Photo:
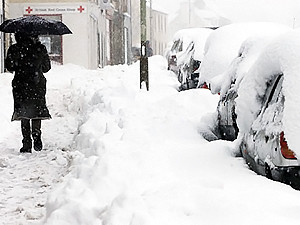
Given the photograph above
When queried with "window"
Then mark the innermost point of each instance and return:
(53, 43)
(272, 91)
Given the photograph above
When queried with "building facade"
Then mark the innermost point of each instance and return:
(88, 46)
(158, 31)
(104, 31)
(121, 32)
(195, 14)
(156, 28)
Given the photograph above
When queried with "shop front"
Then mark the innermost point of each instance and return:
(85, 19)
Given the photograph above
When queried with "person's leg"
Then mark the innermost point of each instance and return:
(27, 143)
(36, 135)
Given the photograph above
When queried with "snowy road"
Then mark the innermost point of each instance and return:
(115, 155)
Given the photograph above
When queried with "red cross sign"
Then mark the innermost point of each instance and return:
(80, 9)
(29, 10)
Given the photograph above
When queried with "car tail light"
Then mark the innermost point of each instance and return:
(285, 151)
(204, 86)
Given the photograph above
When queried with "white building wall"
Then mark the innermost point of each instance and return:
(135, 23)
(159, 32)
(81, 47)
(103, 25)
(76, 45)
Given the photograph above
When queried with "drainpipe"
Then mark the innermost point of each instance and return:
(151, 18)
(3, 44)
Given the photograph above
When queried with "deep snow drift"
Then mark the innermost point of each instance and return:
(118, 155)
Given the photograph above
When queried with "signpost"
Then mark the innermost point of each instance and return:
(50, 10)
(144, 57)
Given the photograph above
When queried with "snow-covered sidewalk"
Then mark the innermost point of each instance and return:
(26, 179)
(118, 155)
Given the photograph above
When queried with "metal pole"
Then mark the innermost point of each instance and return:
(144, 57)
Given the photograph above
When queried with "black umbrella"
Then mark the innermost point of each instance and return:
(34, 25)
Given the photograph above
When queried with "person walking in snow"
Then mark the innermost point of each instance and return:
(29, 59)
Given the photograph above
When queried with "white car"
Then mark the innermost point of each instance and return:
(267, 109)
(229, 80)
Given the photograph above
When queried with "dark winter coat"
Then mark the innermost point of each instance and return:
(29, 60)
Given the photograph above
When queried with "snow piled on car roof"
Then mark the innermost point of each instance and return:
(281, 56)
(196, 35)
(223, 46)
(248, 54)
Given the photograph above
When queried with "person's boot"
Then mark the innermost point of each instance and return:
(27, 145)
(37, 143)
(27, 142)
(36, 135)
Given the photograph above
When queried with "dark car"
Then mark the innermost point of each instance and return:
(185, 55)
(226, 124)
(172, 56)
(188, 74)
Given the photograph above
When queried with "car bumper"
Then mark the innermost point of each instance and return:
(288, 175)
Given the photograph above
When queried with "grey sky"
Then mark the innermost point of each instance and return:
(283, 11)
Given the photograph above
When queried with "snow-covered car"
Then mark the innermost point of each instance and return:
(223, 46)
(268, 108)
(186, 55)
(229, 81)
